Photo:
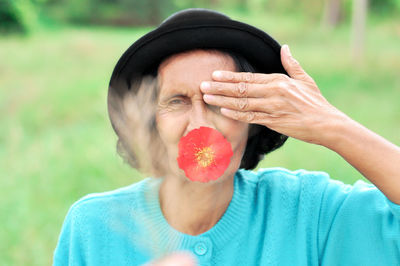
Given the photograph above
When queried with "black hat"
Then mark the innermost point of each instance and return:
(197, 28)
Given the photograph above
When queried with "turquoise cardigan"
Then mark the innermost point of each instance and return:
(275, 217)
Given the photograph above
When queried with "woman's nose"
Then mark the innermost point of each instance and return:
(199, 116)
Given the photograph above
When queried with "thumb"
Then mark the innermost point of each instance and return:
(292, 66)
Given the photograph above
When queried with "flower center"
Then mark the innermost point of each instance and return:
(205, 156)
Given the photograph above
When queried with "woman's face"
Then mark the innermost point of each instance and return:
(181, 107)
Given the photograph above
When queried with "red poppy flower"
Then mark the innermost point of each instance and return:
(204, 154)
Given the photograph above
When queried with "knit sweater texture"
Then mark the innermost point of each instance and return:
(275, 217)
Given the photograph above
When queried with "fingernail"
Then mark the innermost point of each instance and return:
(205, 85)
(217, 74)
(287, 50)
(208, 97)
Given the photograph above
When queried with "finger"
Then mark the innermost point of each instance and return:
(240, 89)
(229, 76)
(292, 66)
(248, 117)
(241, 104)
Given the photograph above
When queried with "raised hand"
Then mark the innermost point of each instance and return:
(292, 105)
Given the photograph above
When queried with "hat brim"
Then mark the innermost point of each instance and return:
(260, 49)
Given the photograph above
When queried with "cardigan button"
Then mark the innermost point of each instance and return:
(200, 248)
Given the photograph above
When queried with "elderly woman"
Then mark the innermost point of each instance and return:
(203, 98)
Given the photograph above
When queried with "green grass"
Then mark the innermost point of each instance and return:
(56, 142)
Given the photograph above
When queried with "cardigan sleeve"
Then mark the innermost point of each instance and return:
(69, 247)
(358, 225)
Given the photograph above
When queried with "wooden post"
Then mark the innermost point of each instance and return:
(358, 29)
(332, 13)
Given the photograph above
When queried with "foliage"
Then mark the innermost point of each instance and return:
(23, 15)
(384, 7)
(17, 15)
(118, 12)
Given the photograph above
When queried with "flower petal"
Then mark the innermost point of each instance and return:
(204, 154)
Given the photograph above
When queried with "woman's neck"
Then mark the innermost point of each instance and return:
(192, 207)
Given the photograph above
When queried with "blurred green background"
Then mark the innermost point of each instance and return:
(56, 58)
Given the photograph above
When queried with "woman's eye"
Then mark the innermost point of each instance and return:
(176, 101)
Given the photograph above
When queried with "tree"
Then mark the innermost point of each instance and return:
(332, 13)
(358, 28)
(17, 16)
